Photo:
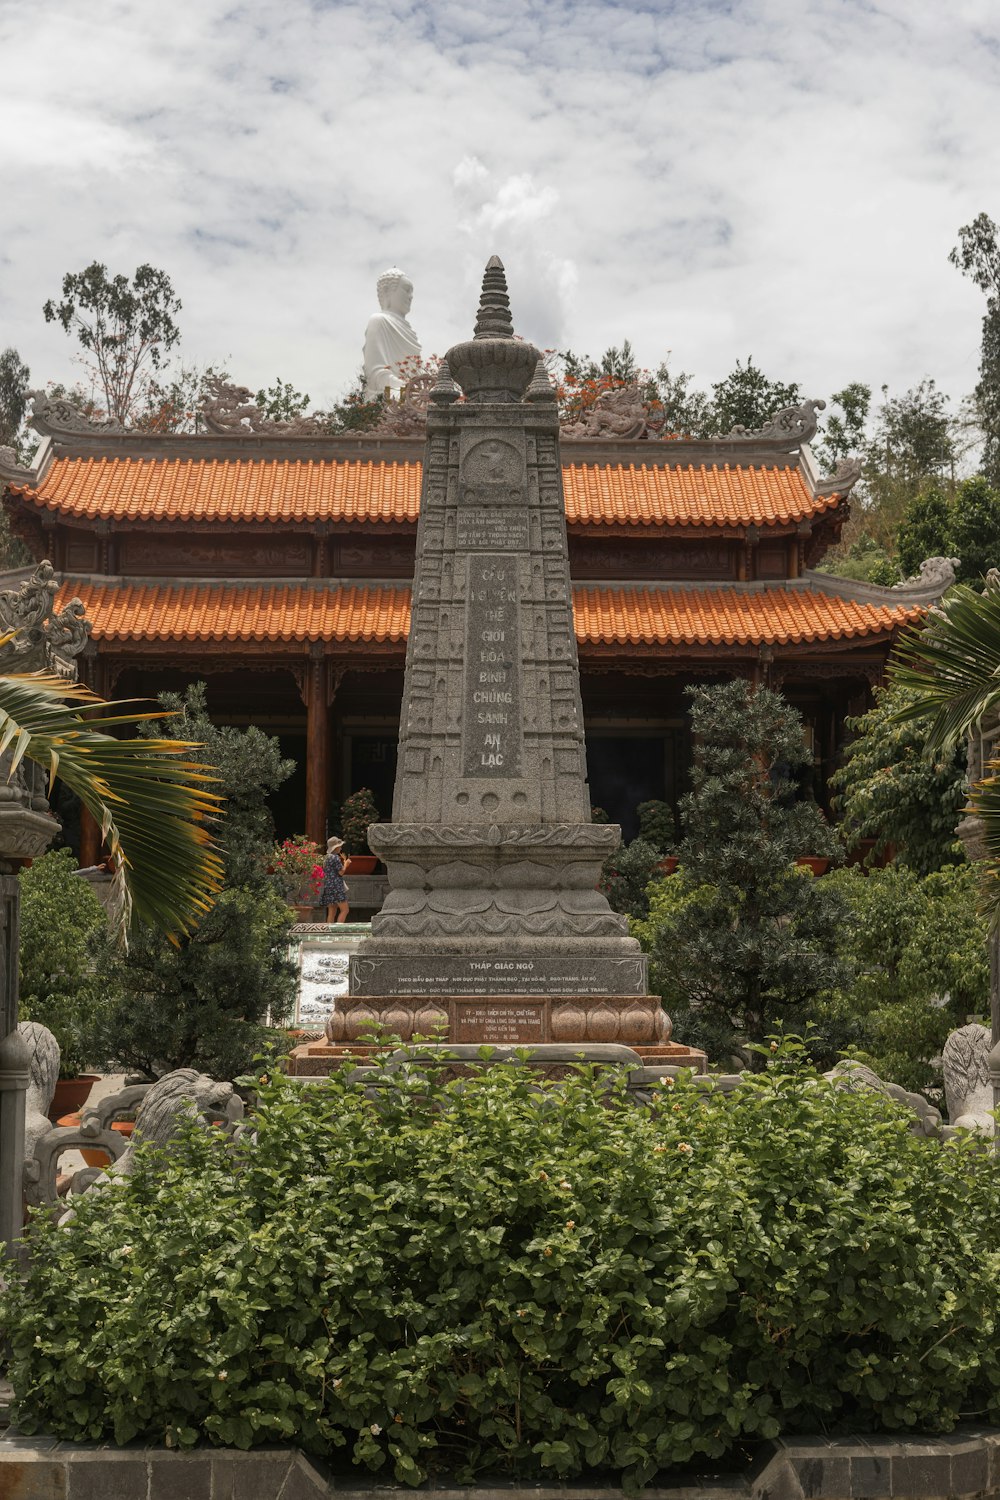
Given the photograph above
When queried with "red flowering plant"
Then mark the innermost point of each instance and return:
(294, 864)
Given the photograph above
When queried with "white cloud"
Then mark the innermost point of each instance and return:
(781, 178)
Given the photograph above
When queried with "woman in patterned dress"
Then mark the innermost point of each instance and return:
(333, 892)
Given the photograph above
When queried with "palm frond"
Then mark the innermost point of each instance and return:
(952, 665)
(152, 799)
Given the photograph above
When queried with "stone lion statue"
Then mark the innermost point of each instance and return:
(43, 1071)
(857, 1078)
(967, 1086)
(173, 1099)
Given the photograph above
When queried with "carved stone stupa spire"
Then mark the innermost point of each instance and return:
(493, 320)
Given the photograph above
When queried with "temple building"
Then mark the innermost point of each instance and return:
(276, 566)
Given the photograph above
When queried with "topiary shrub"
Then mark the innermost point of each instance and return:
(536, 1278)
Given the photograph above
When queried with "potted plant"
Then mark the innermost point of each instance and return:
(294, 864)
(357, 814)
(59, 914)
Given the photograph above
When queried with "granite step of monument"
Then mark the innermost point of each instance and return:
(319, 1059)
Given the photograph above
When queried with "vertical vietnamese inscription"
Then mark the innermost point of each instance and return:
(491, 721)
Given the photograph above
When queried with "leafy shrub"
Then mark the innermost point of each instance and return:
(918, 955)
(204, 1002)
(59, 916)
(502, 1274)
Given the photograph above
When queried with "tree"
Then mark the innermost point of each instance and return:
(977, 255)
(844, 432)
(281, 402)
(952, 668)
(750, 939)
(203, 1002)
(14, 379)
(686, 412)
(125, 328)
(925, 530)
(173, 404)
(748, 399)
(890, 790)
(976, 528)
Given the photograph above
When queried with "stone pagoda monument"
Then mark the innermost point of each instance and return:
(493, 927)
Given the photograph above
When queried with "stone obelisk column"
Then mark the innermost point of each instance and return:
(492, 858)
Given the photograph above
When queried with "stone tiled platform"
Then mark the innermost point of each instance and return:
(963, 1464)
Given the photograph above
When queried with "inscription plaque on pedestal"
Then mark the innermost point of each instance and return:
(499, 1022)
(443, 974)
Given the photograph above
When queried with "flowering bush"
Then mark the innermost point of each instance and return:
(294, 863)
(538, 1278)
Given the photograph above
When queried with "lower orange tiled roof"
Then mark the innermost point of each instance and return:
(604, 616)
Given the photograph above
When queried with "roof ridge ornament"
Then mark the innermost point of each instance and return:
(53, 416)
(843, 479)
(791, 427)
(41, 640)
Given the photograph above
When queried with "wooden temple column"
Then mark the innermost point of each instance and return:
(319, 689)
(95, 674)
(317, 745)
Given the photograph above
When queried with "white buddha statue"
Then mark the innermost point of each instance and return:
(389, 339)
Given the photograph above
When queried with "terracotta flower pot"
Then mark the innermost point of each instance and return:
(71, 1094)
(94, 1156)
(361, 864)
(814, 862)
(668, 865)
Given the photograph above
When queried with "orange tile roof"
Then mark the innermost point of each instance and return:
(621, 616)
(140, 489)
(304, 490)
(692, 495)
(242, 612)
(727, 616)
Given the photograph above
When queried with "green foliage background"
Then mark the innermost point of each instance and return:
(60, 918)
(888, 789)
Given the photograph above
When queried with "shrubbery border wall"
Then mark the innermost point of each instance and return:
(962, 1463)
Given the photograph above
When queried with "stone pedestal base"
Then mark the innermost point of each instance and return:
(496, 1019)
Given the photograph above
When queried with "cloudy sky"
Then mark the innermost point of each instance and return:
(711, 178)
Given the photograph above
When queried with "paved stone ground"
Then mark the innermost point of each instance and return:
(963, 1464)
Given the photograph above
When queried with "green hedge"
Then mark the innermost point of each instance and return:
(497, 1276)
